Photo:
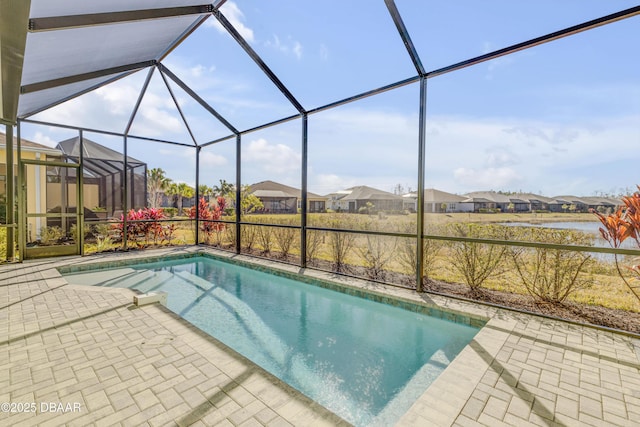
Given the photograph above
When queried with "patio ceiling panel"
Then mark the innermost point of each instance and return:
(58, 54)
(35, 102)
(73, 47)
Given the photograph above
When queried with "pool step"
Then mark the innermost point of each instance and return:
(142, 280)
(192, 279)
(100, 277)
(149, 280)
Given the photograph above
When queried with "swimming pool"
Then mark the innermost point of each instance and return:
(364, 360)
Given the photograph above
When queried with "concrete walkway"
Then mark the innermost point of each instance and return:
(80, 355)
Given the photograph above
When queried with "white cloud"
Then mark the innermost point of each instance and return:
(106, 108)
(500, 157)
(234, 15)
(154, 122)
(211, 159)
(467, 154)
(324, 52)
(328, 183)
(206, 158)
(494, 64)
(288, 47)
(43, 139)
(297, 50)
(488, 178)
(272, 158)
(533, 134)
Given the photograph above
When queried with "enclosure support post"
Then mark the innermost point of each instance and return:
(197, 195)
(303, 210)
(10, 195)
(22, 221)
(422, 131)
(125, 205)
(238, 192)
(80, 196)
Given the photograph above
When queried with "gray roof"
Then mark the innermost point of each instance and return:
(569, 199)
(433, 195)
(364, 192)
(530, 197)
(487, 197)
(273, 194)
(494, 197)
(94, 151)
(27, 145)
(601, 201)
(588, 200)
(275, 189)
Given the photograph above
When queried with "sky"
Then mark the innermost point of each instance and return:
(560, 118)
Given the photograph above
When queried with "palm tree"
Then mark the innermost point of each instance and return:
(205, 191)
(180, 190)
(224, 189)
(249, 202)
(157, 183)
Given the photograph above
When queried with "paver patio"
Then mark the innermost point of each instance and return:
(127, 365)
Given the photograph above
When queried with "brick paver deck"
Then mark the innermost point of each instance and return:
(109, 362)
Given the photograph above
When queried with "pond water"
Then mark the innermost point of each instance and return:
(586, 227)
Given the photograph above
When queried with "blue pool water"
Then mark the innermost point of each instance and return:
(365, 361)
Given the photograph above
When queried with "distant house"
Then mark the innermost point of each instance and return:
(436, 201)
(490, 200)
(335, 201)
(535, 202)
(598, 203)
(441, 201)
(515, 202)
(583, 204)
(410, 202)
(280, 198)
(529, 202)
(354, 198)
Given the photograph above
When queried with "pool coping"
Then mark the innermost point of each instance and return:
(490, 381)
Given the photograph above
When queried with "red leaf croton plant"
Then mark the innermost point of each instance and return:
(207, 213)
(619, 226)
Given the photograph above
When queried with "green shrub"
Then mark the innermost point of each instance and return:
(340, 244)
(314, 240)
(102, 230)
(376, 254)
(248, 234)
(265, 238)
(407, 254)
(50, 235)
(285, 238)
(103, 243)
(551, 275)
(230, 235)
(3, 243)
(170, 212)
(476, 261)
